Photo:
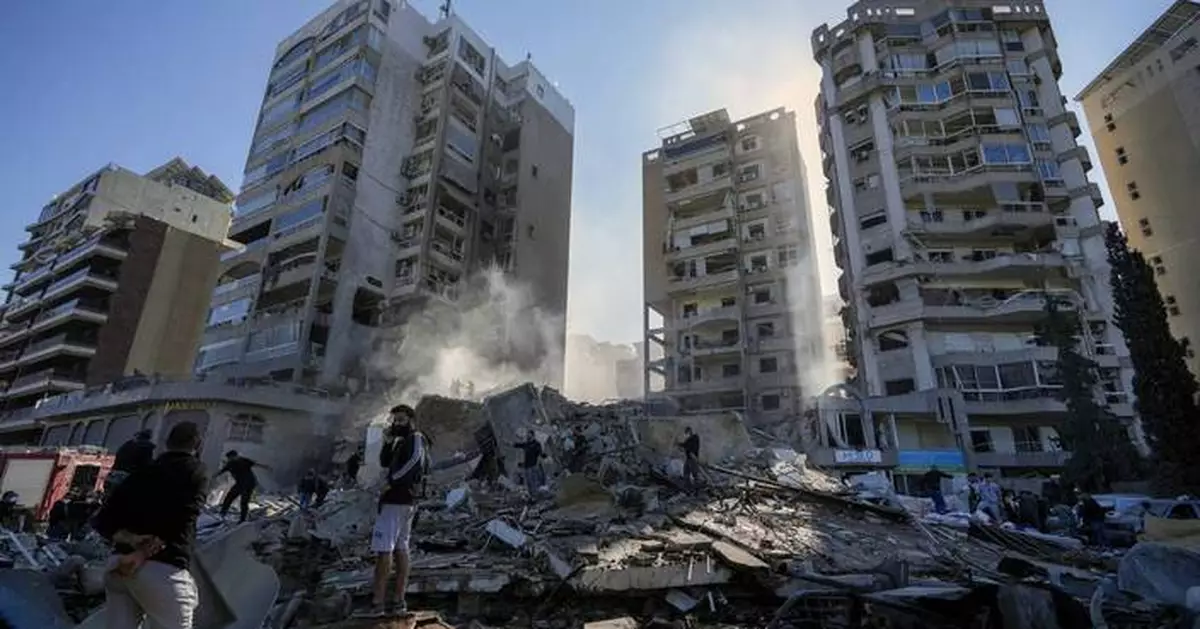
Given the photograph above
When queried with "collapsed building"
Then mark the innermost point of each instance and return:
(767, 542)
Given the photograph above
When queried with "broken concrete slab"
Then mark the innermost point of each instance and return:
(507, 533)
(737, 558)
(616, 623)
(681, 601)
(661, 577)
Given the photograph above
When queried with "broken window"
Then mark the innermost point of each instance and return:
(689, 310)
(765, 330)
(769, 364)
(879, 257)
(769, 402)
(762, 296)
(893, 339)
(246, 428)
(731, 370)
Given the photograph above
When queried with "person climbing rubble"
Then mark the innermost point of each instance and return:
(405, 457)
(578, 451)
(151, 520)
(244, 483)
(307, 487)
(691, 457)
(931, 484)
(989, 498)
(531, 465)
(353, 464)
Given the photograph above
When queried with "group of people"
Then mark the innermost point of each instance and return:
(1025, 507)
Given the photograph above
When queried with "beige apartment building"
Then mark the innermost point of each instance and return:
(394, 159)
(113, 281)
(730, 267)
(959, 197)
(1144, 113)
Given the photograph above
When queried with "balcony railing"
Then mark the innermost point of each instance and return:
(257, 244)
(45, 375)
(229, 287)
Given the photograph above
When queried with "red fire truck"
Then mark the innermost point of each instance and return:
(41, 477)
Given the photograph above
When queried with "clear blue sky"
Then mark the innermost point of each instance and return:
(136, 82)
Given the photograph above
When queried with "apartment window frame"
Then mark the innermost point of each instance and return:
(768, 361)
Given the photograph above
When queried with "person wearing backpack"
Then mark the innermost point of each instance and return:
(405, 457)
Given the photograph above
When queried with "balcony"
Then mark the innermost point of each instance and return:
(289, 272)
(29, 280)
(691, 283)
(1026, 455)
(1003, 222)
(453, 221)
(270, 353)
(712, 244)
(257, 245)
(244, 284)
(62, 343)
(715, 347)
(1023, 308)
(1035, 400)
(47, 378)
(446, 254)
(700, 189)
(96, 245)
(1030, 266)
(299, 229)
(106, 280)
(914, 184)
(74, 309)
(707, 385)
(709, 315)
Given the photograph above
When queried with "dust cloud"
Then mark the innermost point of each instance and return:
(495, 336)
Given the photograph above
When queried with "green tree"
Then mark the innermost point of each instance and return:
(1101, 449)
(1165, 389)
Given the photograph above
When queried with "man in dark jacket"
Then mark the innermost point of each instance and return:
(1092, 516)
(931, 484)
(405, 458)
(531, 448)
(353, 464)
(151, 520)
(244, 482)
(133, 455)
(691, 457)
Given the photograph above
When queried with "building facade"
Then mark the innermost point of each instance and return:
(394, 159)
(248, 417)
(113, 280)
(730, 266)
(959, 198)
(1144, 113)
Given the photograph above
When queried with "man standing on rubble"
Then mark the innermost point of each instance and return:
(132, 456)
(989, 499)
(691, 456)
(244, 483)
(931, 483)
(405, 458)
(532, 463)
(579, 450)
(353, 464)
(151, 520)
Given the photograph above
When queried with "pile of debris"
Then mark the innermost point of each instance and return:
(626, 542)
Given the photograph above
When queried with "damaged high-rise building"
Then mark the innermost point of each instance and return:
(730, 267)
(111, 282)
(959, 200)
(394, 159)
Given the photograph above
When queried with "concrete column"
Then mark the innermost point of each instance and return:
(869, 364)
(920, 354)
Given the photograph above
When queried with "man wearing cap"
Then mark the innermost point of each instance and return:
(405, 458)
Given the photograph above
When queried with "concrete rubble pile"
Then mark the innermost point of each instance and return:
(766, 542)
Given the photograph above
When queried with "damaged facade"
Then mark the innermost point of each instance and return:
(960, 199)
(393, 160)
(729, 266)
(111, 282)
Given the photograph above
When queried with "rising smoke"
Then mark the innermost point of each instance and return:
(495, 336)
